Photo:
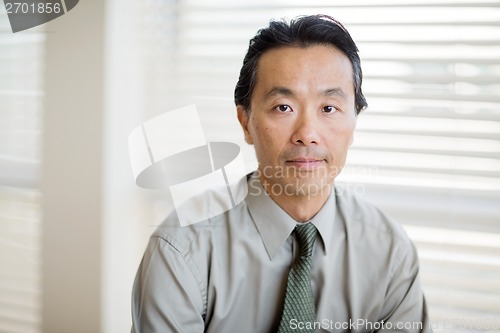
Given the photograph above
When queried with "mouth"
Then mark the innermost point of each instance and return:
(305, 162)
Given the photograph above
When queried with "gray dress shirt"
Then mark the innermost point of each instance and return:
(229, 273)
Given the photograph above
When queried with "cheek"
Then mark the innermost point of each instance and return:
(340, 138)
(258, 129)
(267, 141)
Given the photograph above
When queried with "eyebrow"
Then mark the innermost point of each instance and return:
(335, 92)
(283, 91)
(279, 91)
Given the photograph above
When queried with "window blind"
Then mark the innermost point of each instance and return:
(426, 151)
(21, 93)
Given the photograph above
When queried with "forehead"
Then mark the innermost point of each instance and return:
(305, 68)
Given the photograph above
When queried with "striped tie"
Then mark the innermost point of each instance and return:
(299, 300)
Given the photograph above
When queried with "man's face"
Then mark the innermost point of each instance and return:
(302, 118)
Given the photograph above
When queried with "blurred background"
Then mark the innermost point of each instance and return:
(73, 224)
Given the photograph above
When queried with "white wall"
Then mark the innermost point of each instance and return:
(72, 172)
(95, 219)
(90, 248)
(125, 212)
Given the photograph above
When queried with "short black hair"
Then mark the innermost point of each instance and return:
(303, 31)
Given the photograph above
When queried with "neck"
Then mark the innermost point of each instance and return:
(300, 207)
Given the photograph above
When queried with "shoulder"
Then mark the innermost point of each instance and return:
(372, 230)
(359, 213)
(197, 237)
(371, 233)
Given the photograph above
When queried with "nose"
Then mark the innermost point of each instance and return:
(306, 131)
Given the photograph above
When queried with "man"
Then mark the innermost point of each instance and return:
(298, 254)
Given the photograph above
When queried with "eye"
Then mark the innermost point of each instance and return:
(283, 108)
(329, 109)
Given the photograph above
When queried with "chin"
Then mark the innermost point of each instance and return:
(310, 187)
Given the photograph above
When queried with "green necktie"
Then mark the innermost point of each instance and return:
(299, 300)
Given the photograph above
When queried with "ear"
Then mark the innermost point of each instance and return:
(243, 118)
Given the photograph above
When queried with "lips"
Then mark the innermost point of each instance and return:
(305, 158)
(305, 162)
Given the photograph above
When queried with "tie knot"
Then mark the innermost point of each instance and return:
(306, 234)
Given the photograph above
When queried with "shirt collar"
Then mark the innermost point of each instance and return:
(275, 225)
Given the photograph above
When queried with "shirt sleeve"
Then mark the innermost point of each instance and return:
(405, 303)
(166, 296)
